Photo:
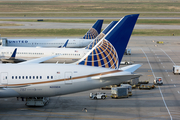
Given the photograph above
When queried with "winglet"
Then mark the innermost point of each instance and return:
(94, 31)
(14, 54)
(65, 44)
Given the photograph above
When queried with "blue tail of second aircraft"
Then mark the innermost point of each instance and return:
(101, 35)
(110, 49)
(94, 31)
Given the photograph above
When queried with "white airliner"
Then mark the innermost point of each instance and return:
(68, 55)
(73, 42)
(98, 68)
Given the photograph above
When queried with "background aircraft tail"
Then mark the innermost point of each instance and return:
(65, 44)
(101, 35)
(14, 54)
(110, 49)
(94, 31)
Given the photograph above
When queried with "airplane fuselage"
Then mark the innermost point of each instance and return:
(55, 43)
(41, 80)
(67, 55)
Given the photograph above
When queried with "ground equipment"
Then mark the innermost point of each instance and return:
(127, 52)
(98, 95)
(129, 88)
(176, 70)
(158, 81)
(37, 101)
(119, 92)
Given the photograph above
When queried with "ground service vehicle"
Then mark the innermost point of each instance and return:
(147, 86)
(129, 88)
(127, 52)
(37, 101)
(134, 81)
(158, 81)
(119, 92)
(98, 95)
(126, 63)
(160, 42)
(176, 70)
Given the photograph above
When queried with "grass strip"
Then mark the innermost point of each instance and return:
(10, 24)
(115, 14)
(90, 6)
(139, 21)
(78, 32)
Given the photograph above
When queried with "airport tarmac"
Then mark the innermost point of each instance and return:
(157, 104)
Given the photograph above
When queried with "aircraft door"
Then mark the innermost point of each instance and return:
(68, 78)
(4, 78)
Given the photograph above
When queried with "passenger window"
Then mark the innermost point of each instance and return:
(36, 77)
(22, 77)
(26, 77)
(33, 77)
(12, 77)
(19, 77)
(16, 77)
(40, 77)
(29, 77)
(47, 77)
(51, 77)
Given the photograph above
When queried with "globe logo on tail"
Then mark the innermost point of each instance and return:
(104, 55)
(91, 34)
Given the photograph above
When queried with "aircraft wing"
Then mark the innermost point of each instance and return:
(9, 86)
(125, 73)
(131, 68)
(117, 76)
(38, 60)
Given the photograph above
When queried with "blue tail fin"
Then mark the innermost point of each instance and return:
(101, 35)
(94, 31)
(110, 49)
(14, 54)
(65, 44)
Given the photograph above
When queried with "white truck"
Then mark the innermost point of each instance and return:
(158, 81)
(119, 92)
(176, 70)
(98, 95)
(127, 52)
